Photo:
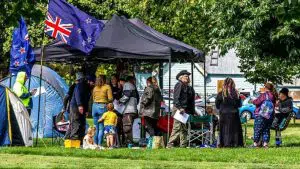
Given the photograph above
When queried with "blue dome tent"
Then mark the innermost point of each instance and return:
(51, 99)
(15, 126)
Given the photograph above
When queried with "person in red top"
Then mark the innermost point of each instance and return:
(262, 125)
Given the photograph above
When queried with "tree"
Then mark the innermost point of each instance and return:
(264, 33)
(184, 20)
(10, 13)
(266, 40)
(34, 13)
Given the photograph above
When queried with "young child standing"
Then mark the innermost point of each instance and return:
(110, 120)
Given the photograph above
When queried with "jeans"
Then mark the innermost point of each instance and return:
(97, 111)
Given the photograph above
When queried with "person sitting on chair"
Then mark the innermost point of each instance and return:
(284, 107)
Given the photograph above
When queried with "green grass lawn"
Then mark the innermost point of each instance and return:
(46, 155)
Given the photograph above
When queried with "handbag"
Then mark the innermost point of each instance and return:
(162, 123)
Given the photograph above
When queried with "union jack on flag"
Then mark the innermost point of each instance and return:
(72, 26)
(57, 29)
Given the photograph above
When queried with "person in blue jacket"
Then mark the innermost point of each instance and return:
(79, 109)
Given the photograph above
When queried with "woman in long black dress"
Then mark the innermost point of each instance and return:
(228, 101)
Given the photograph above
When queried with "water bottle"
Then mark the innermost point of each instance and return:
(278, 138)
(130, 145)
(149, 145)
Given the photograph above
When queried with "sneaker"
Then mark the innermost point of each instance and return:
(101, 148)
(253, 146)
(169, 146)
(266, 146)
(110, 148)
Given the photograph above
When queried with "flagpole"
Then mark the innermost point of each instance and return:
(10, 78)
(40, 95)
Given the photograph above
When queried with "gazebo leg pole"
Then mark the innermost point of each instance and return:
(169, 99)
(161, 75)
(204, 83)
(192, 71)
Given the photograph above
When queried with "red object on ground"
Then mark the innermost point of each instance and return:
(162, 124)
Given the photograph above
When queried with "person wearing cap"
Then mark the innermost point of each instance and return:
(184, 101)
(130, 100)
(284, 107)
(79, 109)
(91, 79)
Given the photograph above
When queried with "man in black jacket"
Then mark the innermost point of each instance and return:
(79, 109)
(184, 101)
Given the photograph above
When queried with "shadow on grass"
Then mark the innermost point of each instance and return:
(291, 145)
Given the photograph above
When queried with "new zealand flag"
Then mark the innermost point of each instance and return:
(72, 26)
(21, 54)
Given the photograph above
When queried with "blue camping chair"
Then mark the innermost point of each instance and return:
(281, 127)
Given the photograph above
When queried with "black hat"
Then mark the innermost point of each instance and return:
(128, 78)
(284, 91)
(122, 78)
(183, 72)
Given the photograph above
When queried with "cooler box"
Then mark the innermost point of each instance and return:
(72, 143)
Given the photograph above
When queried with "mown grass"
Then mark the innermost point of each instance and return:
(54, 156)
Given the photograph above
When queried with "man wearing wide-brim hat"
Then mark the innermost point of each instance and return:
(184, 101)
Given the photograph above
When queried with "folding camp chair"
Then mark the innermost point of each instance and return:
(196, 133)
(281, 127)
(59, 129)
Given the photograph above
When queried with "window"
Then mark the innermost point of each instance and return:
(214, 58)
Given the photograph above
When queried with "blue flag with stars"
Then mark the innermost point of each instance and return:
(22, 57)
(68, 24)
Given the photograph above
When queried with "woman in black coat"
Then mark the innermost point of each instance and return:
(228, 102)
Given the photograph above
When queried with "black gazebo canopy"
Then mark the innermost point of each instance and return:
(125, 39)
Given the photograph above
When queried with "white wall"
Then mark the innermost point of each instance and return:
(175, 69)
(212, 80)
(241, 83)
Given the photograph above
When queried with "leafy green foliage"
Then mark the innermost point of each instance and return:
(264, 34)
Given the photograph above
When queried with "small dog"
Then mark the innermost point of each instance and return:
(88, 140)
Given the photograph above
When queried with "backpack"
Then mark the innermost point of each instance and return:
(266, 108)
